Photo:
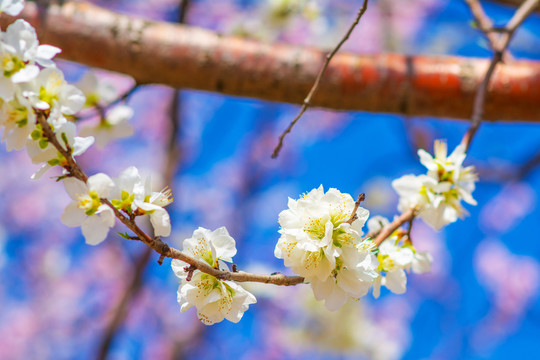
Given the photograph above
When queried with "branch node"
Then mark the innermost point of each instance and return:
(162, 248)
(189, 269)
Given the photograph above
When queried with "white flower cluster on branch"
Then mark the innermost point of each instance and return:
(214, 299)
(321, 233)
(437, 196)
(319, 243)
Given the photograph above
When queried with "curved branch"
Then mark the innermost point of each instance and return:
(155, 243)
(187, 57)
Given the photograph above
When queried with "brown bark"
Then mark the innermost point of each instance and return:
(187, 57)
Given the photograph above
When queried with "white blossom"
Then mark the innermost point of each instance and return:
(18, 120)
(96, 91)
(41, 150)
(397, 255)
(377, 223)
(134, 195)
(214, 299)
(113, 126)
(20, 51)
(11, 7)
(318, 243)
(437, 196)
(450, 168)
(49, 90)
(87, 210)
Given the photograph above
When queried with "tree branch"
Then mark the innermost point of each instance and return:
(482, 20)
(315, 87)
(499, 45)
(513, 3)
(187, 57)
(155, 243)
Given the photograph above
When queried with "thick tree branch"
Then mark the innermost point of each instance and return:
(186, 57)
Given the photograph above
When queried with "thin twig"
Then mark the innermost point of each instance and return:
(354, 216)
(499, 46)
(483, 22)
(101, 109)
(307, 100)
(390, 228)
(409, 229)
(155, 243)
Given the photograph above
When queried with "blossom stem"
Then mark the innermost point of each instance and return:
(72, 167)
(390, 228)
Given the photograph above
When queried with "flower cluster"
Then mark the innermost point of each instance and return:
(35, 102)
(114, 123)
(396, 255)
(128, 193)
(214, 299)
(321, 243)
(437, 196)
(30, 87)
(321, 240)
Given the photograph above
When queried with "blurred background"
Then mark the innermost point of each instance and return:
(62, 299)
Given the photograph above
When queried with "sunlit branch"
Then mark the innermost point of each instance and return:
(156, 243)
(192, 58)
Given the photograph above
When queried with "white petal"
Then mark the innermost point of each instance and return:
(178, 268)
(7, 88)
(101, 183)
(14, 8)
(46, 52)
(94, 230)
(75, 187)
(81, 144)
(161, 222)
(28, 73)
(396, 281)
(224, 244)
(73, 216)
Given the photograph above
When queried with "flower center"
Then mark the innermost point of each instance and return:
(48, 96)
(17, 114)
(316, 229)
(89, 202)
(11, 65)
(385, 262)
